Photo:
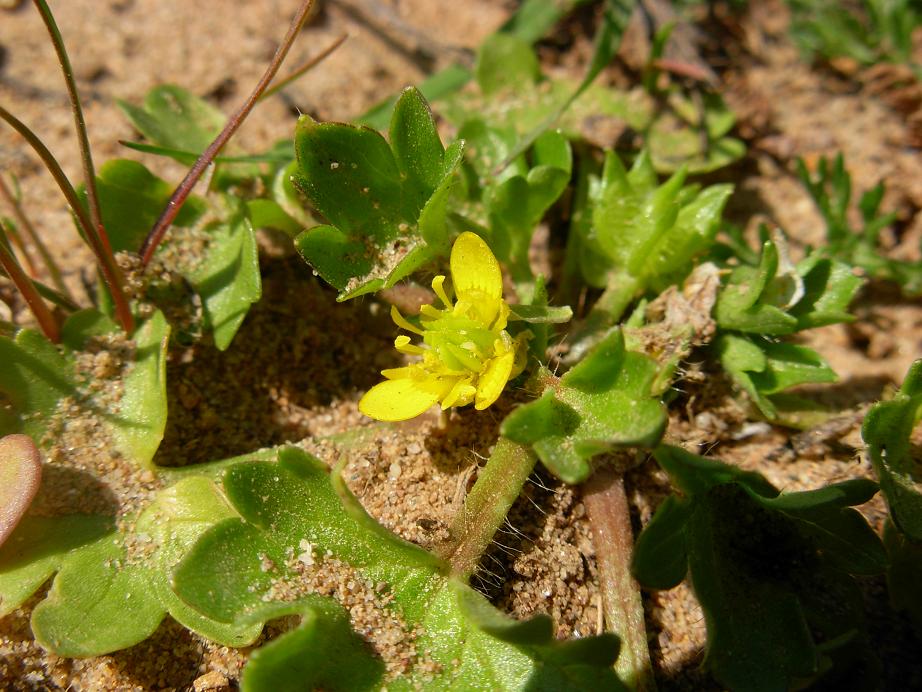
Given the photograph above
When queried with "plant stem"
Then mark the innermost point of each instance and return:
(299, 71)
(498, 485)
(44, 317)
(97, 236)
(50, 265)
(613, 538)
(606, 312)
(185, 188)
(16, 240)
(109, 271)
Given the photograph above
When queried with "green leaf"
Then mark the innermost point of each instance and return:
(887, 429)
(660, 560)
(771, 573)
(516, 205)
(905, 573)
(35, 376)
(601, 404)
(227, 278)
(296, 521)
(322, 653)
(650, 235)
(506, 63)
(763, 368)
(777, 298)
(386, 204)
(174, 118)
(132, 198)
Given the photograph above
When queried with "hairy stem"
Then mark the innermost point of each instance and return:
(51, 266)
(195, 173)
(46, 320)
(486, 506)
(96, 235)
(613, 538)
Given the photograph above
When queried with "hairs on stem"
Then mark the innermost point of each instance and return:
(185, 188)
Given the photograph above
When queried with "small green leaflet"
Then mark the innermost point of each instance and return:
(887, 429)
(386, 203)
(771, 571)
(296, 520)
(602, 404)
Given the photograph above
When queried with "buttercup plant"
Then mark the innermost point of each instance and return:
(225, 547)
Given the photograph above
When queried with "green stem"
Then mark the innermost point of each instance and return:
(486, 506)
(613, 538)
(606, 312)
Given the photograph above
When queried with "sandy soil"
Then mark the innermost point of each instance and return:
(304, 377)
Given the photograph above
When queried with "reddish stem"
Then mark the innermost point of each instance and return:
(185, 188)
(299, 71)
(110, 271)
(613, 537)
(50, 266)
(43, 315)
(96, 235)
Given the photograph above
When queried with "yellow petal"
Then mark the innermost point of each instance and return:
(474, 269)
(493, 380)
(460, 395)
(394, 400)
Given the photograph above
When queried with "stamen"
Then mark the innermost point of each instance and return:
(438, 285)
(403, 322)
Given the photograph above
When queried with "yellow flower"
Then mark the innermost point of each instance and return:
(467, 356)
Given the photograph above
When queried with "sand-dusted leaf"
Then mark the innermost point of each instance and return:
(887, 429)
(771, 571)
(323, 652)
(299, 524)
(35, 376)
(601, 404)
(132, 198)
(386, 203)
(20, 475)
(174, 118)
(102, 567)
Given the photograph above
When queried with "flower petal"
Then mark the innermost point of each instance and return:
(394, 400)
(493, 379)
(475, 269)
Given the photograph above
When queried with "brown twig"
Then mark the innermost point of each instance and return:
(185, 188)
